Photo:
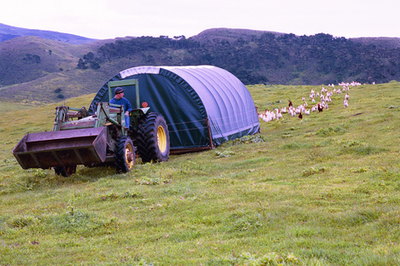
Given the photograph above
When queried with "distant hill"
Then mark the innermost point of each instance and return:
(32, 68)
(10, 32)
(387, 42)
(48, 68)
(230, 35)
(226, 34)
(269, 57)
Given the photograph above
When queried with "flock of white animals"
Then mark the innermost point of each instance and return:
(319, 105)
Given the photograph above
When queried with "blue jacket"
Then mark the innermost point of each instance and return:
(124, 102)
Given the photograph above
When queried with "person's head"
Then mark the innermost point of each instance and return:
(119, 93)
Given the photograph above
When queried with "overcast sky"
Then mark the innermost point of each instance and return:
(103, 19)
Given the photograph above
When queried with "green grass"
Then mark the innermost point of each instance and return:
(324, 190)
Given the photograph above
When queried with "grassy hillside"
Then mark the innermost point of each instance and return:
(322, 190)
(32, 68)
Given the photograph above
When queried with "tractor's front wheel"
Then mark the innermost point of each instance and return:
(65, 171)
(124, 154)
(153, 138)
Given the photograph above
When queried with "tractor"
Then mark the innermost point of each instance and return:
(80, 138)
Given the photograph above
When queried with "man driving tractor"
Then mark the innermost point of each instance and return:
(119, 99)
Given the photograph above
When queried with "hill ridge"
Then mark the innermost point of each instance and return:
(9, 32)
(230, 34)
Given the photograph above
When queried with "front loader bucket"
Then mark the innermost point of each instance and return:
(62, 148)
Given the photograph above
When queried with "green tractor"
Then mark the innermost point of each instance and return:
(79, 138)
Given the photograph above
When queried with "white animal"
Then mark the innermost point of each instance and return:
(314, 108)
(278, 114)
(292, 111)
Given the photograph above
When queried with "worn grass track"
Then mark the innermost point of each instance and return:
(323, 190)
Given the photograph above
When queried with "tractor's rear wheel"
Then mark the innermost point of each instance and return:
(65, 170)
(153, 138)
(124, 155)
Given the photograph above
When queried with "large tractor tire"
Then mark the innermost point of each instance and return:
(65, 171)
(124, 154)
(153, 138)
